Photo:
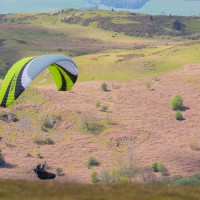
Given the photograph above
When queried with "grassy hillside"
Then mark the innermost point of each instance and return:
(50, 191)
(77, 32)
(144, 62)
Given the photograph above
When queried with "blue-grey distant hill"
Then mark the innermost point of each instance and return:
(129, 4)
(152, 7)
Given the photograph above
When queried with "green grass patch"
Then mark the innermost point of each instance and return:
(49, 191)
(125, 65)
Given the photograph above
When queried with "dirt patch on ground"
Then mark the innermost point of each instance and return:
(139, 117)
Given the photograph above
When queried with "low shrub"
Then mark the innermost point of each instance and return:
(49, 122)
(59, 171)
(94, 177)
(158, 167)
(104, 108)
(124, 180)
(38, 140)
(90, 124)
(98, 104)
(113, 176)
(104, 87)
(92, 162)
(48, 141)
(8, 117)
(149, 86)
(188, 181)
(39, 155)
(177, 102)
(178, 115)
(193, 144)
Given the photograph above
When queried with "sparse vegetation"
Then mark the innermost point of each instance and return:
(188, 181)
(49, 122)
(149, 86)
(92, 161)
(104, 87)
(38, 140)
(41, 141)
(193, 144)
(147, 176)
(39, 155)
(98, 104)
(158, 167)
(104, 108)
(48, 141)
(59, 171)
(177, 102)
(178, 115)
(94, 177)
(8, 117)
(89, 123)
(125, 172)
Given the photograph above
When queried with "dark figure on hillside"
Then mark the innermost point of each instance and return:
(43, 174)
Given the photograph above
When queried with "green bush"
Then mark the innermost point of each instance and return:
(94, 177)
(48, 141)
(154, 166)
(114, 176)
(124, 180)
(178, 115)
(92, 162)
(177, 102)
(158, 167)
(187, 181)
(47, 123)
(98, 104)
(162, 169)
(104, 87)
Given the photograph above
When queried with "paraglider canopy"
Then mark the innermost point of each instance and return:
(23, 72)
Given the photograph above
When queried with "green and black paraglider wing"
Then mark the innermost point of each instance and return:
(23, 72)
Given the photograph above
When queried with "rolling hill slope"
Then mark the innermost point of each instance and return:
(143, 71)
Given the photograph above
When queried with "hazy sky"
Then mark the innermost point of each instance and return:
(12, 6)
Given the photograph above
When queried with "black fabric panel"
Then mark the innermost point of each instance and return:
(71, 76)
(3, 104)
(64, 83)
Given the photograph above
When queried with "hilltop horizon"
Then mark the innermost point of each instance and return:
(153, 7)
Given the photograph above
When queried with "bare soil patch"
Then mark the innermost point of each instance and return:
(140, 118)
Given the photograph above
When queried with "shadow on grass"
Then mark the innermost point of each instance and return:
(8, 166)
(185, 108)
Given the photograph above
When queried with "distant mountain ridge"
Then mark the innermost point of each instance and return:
(130, 4)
